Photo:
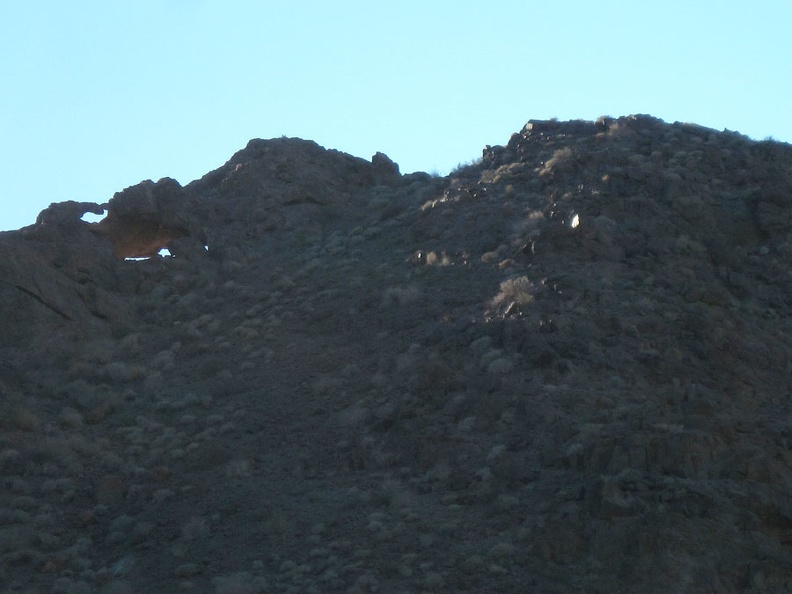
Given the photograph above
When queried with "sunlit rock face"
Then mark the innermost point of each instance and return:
(145, 218)
(562, 367)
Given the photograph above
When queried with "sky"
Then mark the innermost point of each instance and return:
(97, 96)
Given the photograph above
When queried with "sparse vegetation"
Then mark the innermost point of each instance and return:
(401, 295)
(466, 168)
(517, 291)
(413, 384)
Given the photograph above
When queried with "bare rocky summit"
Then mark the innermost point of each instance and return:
(563, 368)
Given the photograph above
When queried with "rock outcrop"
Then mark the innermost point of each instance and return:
(565, 367)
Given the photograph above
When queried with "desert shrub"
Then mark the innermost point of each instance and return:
(431, 378)
(25, 419)
(195, 529)
(401, 295)
(118, 372)
(500, 366)
(466, 168)
(11, 462)
(481, 344)
(518, 291)
(70, 418)
(327, 385)
(237, 469)
(435, 259)
(240, 583)
(559, 159)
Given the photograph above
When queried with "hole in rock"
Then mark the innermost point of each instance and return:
(163, 253)
(90, 217)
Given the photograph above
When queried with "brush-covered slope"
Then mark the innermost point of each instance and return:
(565, 368)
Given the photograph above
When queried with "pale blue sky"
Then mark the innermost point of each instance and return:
(97, 96)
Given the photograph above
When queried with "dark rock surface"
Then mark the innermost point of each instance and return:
(565, 368)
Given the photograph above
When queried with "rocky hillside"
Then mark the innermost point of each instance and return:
(564, 368)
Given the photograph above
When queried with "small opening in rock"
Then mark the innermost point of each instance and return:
(90, 217)
(163, 253)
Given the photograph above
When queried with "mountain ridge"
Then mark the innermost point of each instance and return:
(563, 367)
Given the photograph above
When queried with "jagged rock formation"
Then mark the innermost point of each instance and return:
(563, 368)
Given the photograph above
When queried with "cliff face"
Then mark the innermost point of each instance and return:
(565, 367)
